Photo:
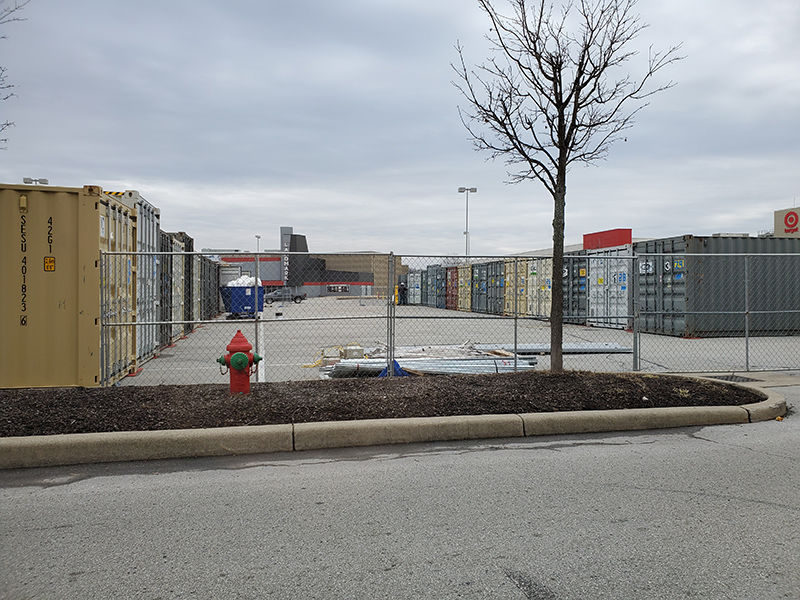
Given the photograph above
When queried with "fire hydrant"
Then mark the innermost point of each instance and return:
(241, 363)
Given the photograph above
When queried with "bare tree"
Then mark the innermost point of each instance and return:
(7, 15)
(554, 94)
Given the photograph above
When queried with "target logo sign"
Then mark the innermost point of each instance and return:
(790, 221)
(787, 223)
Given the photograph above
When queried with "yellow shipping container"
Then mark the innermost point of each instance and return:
(50, 300)
(540, 287)
(520, 267)
(465, 287)
(118, 285)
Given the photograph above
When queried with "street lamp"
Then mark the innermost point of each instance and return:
(258, 251)
(467, 190)
(41, 181)
(257, 288)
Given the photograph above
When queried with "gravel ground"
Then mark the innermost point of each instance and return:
(52, 411)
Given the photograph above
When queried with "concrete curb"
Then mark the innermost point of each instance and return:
(341, 434)
(80, 448)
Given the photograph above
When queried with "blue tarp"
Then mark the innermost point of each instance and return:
(397, 371)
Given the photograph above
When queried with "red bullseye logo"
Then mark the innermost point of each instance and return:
(790, 220)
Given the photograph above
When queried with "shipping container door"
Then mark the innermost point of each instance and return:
(541, 287)
(609, 298)
(479, 287)
(177, 284)
(465, 288)
(451, 288)
(575, 286)
(415, 287)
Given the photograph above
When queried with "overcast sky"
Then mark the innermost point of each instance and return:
(340, 119)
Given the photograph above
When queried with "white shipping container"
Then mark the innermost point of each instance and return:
(609, 280)
(415, 287)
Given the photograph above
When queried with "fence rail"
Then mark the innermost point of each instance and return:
(167, 316)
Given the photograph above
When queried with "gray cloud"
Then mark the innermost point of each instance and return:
(340, 119)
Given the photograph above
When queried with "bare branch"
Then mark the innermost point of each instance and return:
(554, 94)
(7, 15)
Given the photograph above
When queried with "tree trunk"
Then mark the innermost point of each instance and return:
(557, 303)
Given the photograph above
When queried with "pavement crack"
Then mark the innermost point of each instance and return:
(695, 436)
(707, 494)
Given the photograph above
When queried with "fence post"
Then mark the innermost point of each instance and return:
(516, 312)
(390, 316)
(103, 328)
(636, 314)
(746, 316)
(256, 287)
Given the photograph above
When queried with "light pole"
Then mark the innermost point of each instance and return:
(40, 181)
(257, 289)
(258, 251)
(467, 190)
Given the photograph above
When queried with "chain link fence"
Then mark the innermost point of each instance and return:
(168, 316)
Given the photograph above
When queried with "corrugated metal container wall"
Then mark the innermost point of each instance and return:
(118, 286)
(540, 287)
(228, 273)
(465, 287)
(451, 288)
(148, 228)
(50, 293)
(441, 286)
(197, 289)
(177, 286)
(188, 288)
(576, 290)
(480, 274)
(165, 290)
(610, 301)
(688, 289)
(515, 286)
(774, 287)
(210, 288)
(414, 287)
(431, 285)
(423, 286)
(494, 290)
(662, 290)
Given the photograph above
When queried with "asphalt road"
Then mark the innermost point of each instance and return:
(685, 513)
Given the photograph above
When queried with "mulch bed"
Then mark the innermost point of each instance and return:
(140, 408)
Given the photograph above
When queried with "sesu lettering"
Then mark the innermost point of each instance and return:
(23, 243)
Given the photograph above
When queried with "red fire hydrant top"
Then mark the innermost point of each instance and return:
(239, 343)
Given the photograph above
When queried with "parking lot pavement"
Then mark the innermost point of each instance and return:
(291, 337)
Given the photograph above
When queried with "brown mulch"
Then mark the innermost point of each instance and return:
(81, 410)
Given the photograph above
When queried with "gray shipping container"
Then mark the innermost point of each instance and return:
(431, 282)
(495, 296)
(479, 287)
(692, 287)
(576, 289)
(436, 279)
(148, 231)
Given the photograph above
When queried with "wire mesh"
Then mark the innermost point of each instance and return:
(168, 316)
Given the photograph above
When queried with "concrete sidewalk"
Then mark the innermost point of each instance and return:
(40, 451)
